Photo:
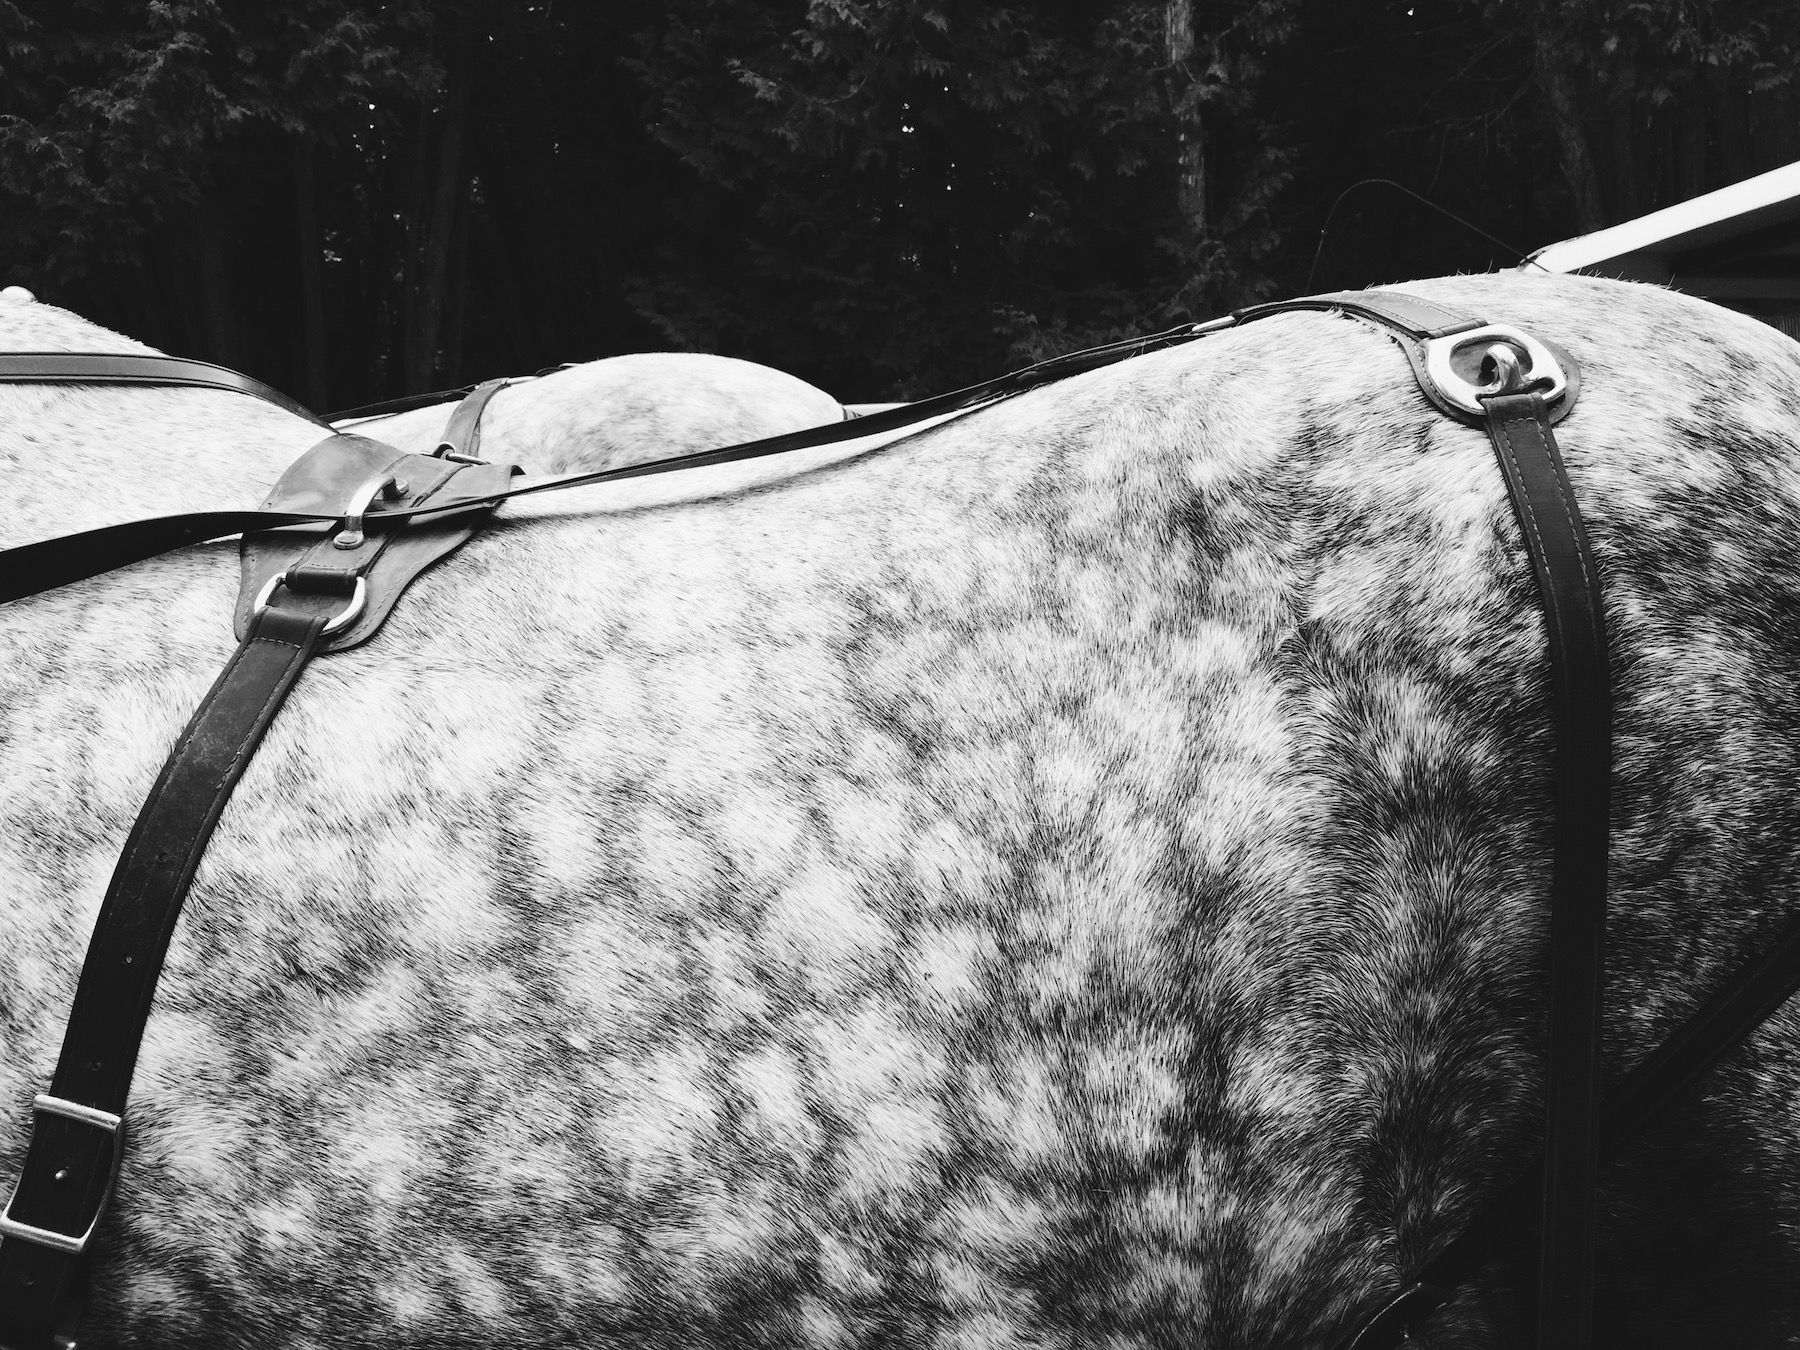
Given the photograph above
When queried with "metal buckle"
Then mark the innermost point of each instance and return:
(351, 536)
(1540, 366)
(337, 623)
(86, 1115)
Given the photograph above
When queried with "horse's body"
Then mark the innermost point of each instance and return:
(623, 410)
(1075, 877)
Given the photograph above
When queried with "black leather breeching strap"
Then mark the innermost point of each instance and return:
(1445, 352)
(78, 1131)
(1581, 700)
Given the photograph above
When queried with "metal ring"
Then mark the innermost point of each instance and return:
(1540, 366)
(337, 623)
(351, 536)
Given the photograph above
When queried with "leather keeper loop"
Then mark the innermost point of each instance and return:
(321, 580)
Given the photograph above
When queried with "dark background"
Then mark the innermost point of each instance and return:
(353, 199)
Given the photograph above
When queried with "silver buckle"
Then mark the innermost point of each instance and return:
(337, 623)
(1540, 366)
(86, 1115)
(351, 536)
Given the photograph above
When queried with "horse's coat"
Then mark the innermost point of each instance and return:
(624, 410)
(1075, 877)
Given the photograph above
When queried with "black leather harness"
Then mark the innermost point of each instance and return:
(323, 566)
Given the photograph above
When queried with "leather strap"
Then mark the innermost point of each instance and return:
(74, 1153)
(1568, 584)
(462, 435)
(1581, 700)
(388, 407)
(1737, 1008)
(76, 1141)
(1410, 316)
(136, 368)
(46, 564)
(1581, 704)
(315, 486)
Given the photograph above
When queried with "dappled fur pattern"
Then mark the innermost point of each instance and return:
(623, 410)
(1075, 877)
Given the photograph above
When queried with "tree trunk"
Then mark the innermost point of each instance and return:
(1690, 156)
(439, 227)
(1726, 98)
(217, 313)
(412, 253)
(457, 295)
(1622, 157)
(1190, 145)
(1556, 81)
(312, 271)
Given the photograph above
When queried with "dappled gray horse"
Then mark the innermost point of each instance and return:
(1076, 876)
(623, 410)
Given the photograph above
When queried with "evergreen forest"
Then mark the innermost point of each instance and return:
(355, 199)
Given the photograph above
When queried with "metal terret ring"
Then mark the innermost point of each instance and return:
(1540, 366)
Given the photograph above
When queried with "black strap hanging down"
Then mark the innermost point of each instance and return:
(76, 1140)
(1568, 585)
(308, 593)
(1581, 700)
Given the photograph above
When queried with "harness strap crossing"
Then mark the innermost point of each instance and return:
(343, 563)
(313, 593)
(49, 563)
(1737, 1008)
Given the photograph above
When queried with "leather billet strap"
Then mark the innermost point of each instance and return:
(1581, 699)
(1568, 584)
(462, 434)
(76, 1140)
(1445, 352)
